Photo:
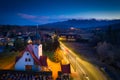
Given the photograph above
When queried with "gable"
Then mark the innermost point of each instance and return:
(31, 54)
(26, 57)
(27, 54)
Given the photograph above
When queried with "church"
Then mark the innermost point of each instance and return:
(31, 58)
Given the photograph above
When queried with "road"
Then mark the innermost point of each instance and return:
(84, 69)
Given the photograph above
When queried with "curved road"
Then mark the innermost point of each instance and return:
(84, 69)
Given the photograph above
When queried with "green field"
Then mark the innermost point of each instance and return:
(49, 54)
(6, 58)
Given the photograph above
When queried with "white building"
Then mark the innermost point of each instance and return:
(29, 59)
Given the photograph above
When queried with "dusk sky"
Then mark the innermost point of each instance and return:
(32, 12)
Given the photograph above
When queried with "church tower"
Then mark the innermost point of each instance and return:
(37, 46)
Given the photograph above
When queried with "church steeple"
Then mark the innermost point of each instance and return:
(37, 37)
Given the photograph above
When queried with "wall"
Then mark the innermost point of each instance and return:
(20, 64)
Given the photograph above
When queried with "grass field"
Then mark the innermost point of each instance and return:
(6, 58)
(49, 54)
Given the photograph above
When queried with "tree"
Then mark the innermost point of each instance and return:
(101, 50)
(57, 55)
(47, 46)
(112, 35)
(51, 45)
(104, 50)
(55, 43)
(19, 44)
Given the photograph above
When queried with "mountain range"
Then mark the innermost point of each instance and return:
(81, 23)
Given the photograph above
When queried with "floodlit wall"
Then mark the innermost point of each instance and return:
(26, 59)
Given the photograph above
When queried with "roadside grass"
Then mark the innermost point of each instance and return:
(72, 49)
(85, 59)
(50, 55)
(6, 58)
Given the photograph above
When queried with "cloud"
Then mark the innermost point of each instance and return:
(26, 16)
(43, 19)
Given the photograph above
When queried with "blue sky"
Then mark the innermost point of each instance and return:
(31, 12)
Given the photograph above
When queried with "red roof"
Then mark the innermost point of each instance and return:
(42, 61)
(65, 68)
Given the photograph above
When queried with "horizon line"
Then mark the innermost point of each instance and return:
(107, 19)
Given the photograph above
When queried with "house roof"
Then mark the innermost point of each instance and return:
(42, 61)
(30, 50)
(65, 68)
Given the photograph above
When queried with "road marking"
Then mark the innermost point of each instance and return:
(63, 47)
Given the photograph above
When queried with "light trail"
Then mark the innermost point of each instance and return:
(73, 59)
(84, 69)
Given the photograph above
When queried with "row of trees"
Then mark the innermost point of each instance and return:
(51, 44)
(105, 52)
(110, 35)
(18, 45)
(108, 45)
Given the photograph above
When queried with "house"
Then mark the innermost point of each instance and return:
(67, 37)
(31, 58)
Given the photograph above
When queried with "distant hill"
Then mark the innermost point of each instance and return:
(82, 23)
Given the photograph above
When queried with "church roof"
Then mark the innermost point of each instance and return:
(42, 61)
(37, 35)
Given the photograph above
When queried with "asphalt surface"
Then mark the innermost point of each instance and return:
(84, 69)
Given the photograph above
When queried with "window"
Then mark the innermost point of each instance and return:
(27, 53)
(27, 59)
